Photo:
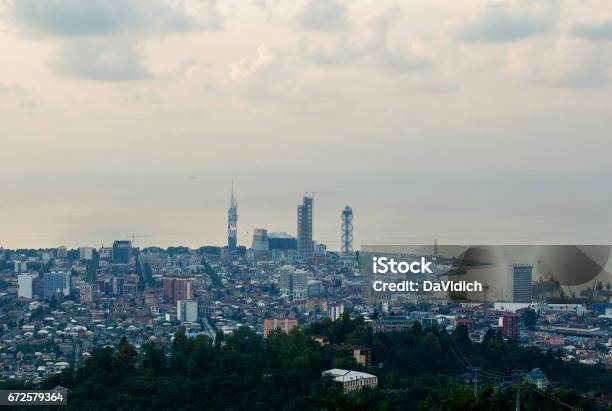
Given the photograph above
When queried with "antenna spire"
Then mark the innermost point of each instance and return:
(233, 202)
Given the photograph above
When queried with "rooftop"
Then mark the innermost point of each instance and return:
(347, 375)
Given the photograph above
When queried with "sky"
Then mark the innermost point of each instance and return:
(473, 122)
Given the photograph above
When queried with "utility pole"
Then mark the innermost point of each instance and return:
(475, 371)
(517, 376)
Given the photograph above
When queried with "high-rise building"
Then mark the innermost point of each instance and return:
(122, 252)
(335, 311)
(114, 286)
(510, 325)
(283, 324)
(24, 281)
(320, 249)
(168, 290)
(129, 288)
(176, 289)
(86, 253)
(183, 289)
(522, 278)
(150, 298)
(232, 222)
(300, 285)
(293, 283)
(20, 266)
(286, 280)
(304, 226)
(315, 288)
(281, 241)
(100, 287)
(260, 240)
(187, 311)
(56, 282)
(86, 294)
(347, 230)
(105, 253)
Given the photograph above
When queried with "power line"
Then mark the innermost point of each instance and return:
(551, 397)
(464, 361)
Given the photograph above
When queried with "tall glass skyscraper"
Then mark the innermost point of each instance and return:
(522, 278)
(56, 282)
(304, 227)
(122, 252)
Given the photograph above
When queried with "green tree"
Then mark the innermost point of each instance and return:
(462, 337)
(431, 344)
(530, 318)
(154, 357)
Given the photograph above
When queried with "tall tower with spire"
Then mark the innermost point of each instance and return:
(347, 230)
(232, 222)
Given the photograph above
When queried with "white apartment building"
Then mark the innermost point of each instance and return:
(187, 311)
(24, 281)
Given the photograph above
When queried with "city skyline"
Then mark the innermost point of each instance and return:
(174, 222)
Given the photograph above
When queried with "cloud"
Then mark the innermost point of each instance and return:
(69, 18)
(564, 63)
(378, 50)
(101, 60)
(323, 15)
(396, 56)
(244, 69)
(402, 59)
(12, 89)
(500, 22)
(98, 38)
(267, 77)
(594, 31)
(341, 53)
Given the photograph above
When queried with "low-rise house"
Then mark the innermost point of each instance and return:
(362, 355)
(537, 378)
(352, 380)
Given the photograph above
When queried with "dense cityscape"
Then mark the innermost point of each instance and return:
(59, 305)
(421, 219)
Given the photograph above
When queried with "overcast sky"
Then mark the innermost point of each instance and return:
(469, 121)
